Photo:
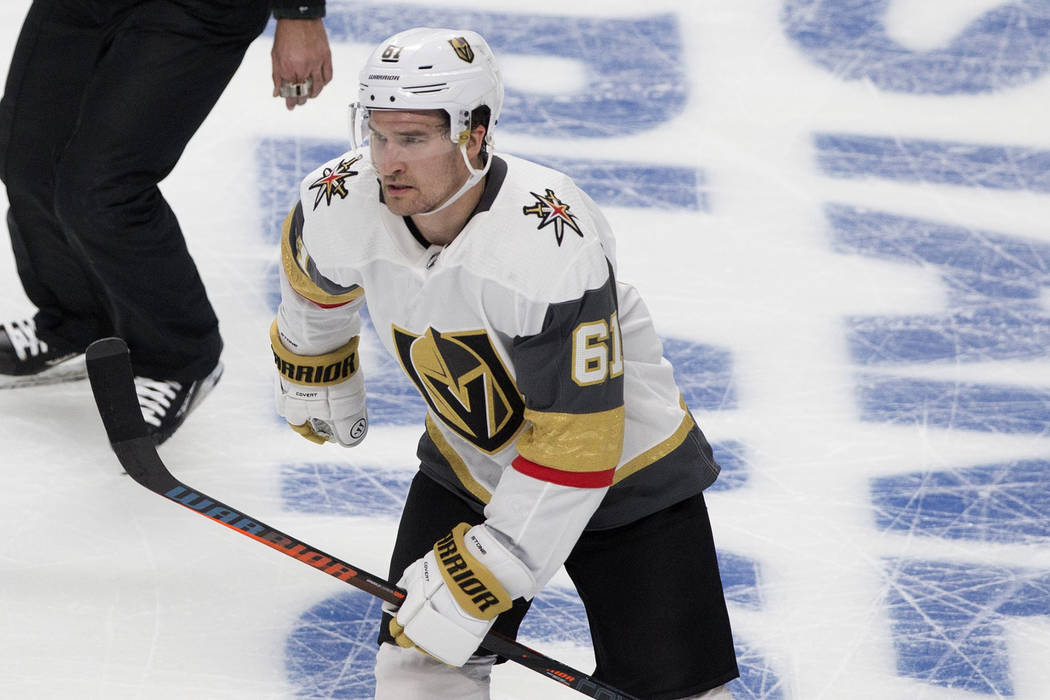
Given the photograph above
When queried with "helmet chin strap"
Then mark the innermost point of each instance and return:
(472, 179)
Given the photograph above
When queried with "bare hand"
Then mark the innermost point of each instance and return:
(300, 51)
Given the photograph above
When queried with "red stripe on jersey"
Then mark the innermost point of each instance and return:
(323, 306)
(580, 480)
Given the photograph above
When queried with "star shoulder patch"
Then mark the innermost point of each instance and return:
(552, 211)
(331, 181)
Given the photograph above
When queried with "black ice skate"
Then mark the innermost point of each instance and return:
(27, 359)
(166, 403)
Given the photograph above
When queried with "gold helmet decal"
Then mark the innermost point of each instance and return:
(462, 49)
(463, 380)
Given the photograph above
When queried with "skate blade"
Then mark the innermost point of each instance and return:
(71, 370)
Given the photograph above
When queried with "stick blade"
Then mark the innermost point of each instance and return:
(113, 385)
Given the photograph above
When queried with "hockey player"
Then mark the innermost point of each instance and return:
(555, 434)
(100, 101)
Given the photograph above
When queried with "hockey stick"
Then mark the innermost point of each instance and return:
(113, 385)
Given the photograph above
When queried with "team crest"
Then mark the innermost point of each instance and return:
(552, 210)
(331, 181)
(463, 380)
(462, 49)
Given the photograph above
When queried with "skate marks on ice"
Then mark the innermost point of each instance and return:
(923, 152)
(947, 624)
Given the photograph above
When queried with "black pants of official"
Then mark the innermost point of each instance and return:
(101, 99)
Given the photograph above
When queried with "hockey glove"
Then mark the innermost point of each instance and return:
(321, 396)
(455, 591)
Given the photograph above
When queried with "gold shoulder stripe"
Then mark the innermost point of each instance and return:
(585, 442)
(295, 264)
(459, 467)
(659, 451)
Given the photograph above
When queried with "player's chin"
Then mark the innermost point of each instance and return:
(400, 208)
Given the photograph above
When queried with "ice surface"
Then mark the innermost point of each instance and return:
(837, 212)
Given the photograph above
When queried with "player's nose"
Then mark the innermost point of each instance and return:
(388, 158)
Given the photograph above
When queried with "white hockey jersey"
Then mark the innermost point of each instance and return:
(528, 352)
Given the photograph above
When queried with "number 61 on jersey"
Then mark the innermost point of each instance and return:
(597, 352)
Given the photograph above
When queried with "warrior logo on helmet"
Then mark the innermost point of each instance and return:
(462, 49)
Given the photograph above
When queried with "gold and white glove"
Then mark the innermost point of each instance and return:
(455, 591)
(321, 396)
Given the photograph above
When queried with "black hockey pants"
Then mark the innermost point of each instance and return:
(101, 99)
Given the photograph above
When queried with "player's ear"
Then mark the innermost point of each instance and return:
(475, 142)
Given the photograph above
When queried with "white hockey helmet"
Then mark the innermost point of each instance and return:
(425, 68)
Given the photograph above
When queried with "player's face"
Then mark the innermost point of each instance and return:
(419, 167)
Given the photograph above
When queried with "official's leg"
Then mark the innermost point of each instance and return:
(165, 68)
(53, 61)
(430, 512)
(655, 604)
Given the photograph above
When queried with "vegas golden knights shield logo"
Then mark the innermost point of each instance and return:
(465, 383)
(462, 49)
